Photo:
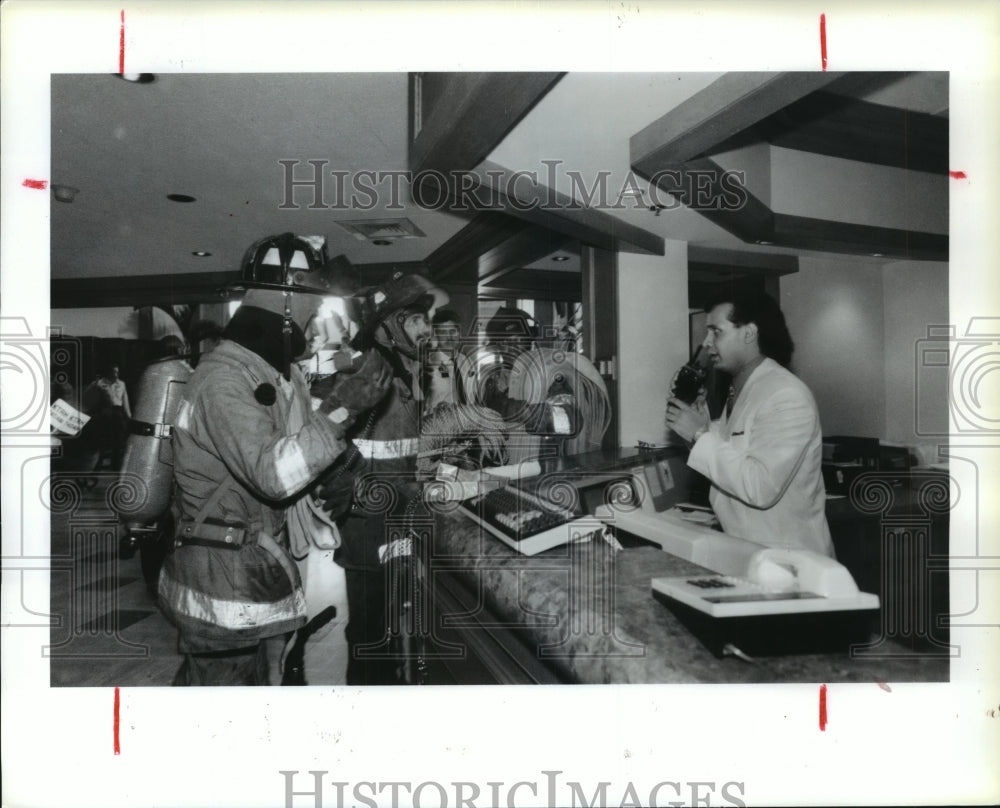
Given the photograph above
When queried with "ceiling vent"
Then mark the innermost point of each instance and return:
(382, 229)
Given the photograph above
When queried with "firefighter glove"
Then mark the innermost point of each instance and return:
(357, 391)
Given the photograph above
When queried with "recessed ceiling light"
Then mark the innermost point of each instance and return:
(381, 242)
(765, 243)
(560, 258)
(876, 255)
(200, 254)
(180, 198)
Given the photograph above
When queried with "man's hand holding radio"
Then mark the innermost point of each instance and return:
(690, 421)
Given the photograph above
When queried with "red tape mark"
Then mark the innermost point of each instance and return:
(38, 185)
(822, 38)
(121, 45)
(118, 703)
(957, 175)
(822, 708)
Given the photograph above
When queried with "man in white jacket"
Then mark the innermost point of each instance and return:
(763, 456)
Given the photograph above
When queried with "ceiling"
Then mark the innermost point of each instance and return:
(233, 142)
(219, 138)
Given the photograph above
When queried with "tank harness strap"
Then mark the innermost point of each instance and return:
(206, 532)
(228, 536)
(148, 430)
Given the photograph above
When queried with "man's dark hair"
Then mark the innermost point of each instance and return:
(445, 316)
(752, 306)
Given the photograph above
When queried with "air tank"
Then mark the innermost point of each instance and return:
(146, 478)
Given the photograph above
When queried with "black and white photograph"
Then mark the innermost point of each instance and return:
(654, 398)
(521, 478)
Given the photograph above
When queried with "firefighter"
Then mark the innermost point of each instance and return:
(384, 462)
(248, 444)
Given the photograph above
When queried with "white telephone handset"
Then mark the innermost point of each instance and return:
(767, 580)
(777, 569)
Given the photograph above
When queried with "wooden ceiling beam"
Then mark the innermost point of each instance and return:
(755, 223)
(457, 260)
(457, 119)
(542, 284)
(857, 239)
(808, 111)
(728, 106)
(524, 198)
(521, 249)
(837, 126)
(710, 258)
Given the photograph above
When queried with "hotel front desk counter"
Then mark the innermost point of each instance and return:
(584, 613)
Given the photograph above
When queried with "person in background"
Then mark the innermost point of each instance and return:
(446, 331)
(326, 335)
(447, 361)
(509, 333)
(553, 400)
(763, 455)
(248, 445)
(78, 452)
(113, 388)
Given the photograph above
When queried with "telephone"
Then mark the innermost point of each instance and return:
(775, 581)
(784, 601)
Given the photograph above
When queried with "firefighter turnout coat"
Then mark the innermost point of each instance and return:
(385, 475)
(247, 443)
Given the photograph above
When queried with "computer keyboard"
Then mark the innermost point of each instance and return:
(528, 523)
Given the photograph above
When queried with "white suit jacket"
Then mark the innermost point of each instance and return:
(764, 462)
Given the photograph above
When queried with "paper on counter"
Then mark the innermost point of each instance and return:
(696, 516)
(452, 484)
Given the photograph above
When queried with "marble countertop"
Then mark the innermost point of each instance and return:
(587, 612)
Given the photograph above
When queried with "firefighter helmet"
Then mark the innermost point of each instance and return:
(292, 263)
(403, 295)
(406, 292)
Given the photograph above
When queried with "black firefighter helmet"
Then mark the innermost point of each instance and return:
(291, 263)
(390, 303)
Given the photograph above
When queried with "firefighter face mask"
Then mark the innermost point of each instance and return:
(408, 328)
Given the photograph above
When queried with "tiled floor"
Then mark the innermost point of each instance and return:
(107, 629)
